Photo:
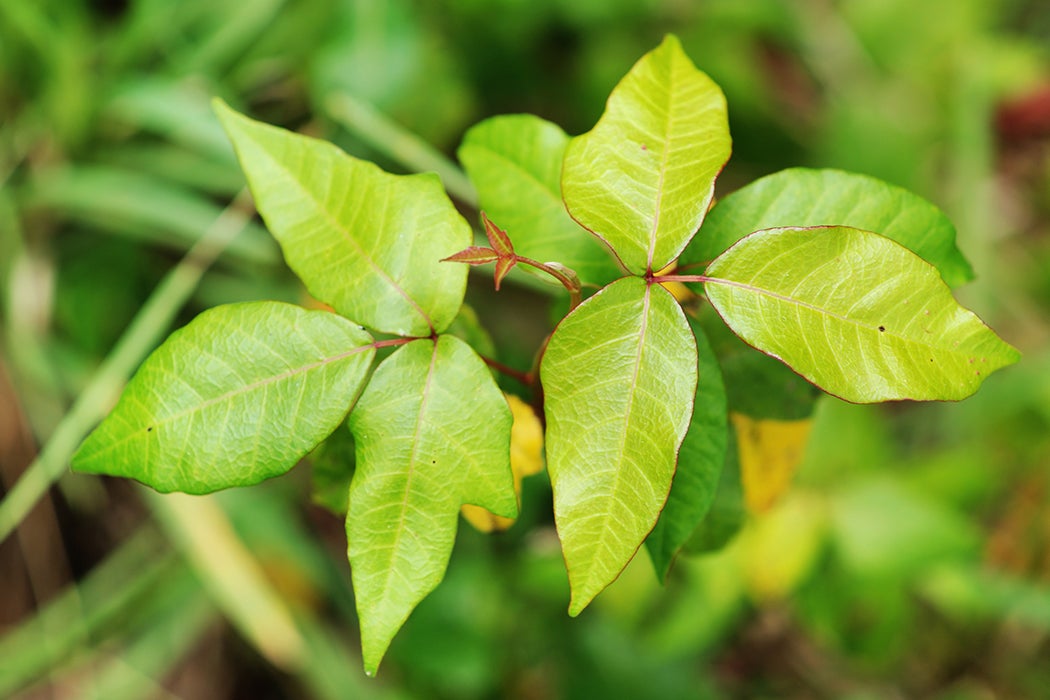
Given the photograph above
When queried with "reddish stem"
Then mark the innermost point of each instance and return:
(525, 378)
(571, 285)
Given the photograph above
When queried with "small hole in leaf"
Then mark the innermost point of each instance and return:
(882, 329)
(149, 429)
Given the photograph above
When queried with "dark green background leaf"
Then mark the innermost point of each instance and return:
(800, 197)
(700, 461)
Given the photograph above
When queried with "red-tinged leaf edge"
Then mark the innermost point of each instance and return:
(498, 238)
(503, 266)
(474, 255)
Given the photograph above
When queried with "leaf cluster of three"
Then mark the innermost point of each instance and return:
(633, 392)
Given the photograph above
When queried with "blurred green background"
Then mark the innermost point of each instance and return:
(911, 558)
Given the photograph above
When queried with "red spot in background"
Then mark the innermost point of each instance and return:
(1024, 117)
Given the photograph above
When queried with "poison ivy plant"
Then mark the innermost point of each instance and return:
(843, 279)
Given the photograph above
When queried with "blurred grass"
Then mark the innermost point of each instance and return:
(912, 557)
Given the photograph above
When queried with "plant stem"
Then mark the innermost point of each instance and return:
(400, 144)
(141, 337)
(525, 378)
(680, 278)
(570, 284)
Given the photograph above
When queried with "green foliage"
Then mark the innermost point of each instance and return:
(351, 231)
(432, 433)
(799, 197)
(617, 412)
(239, 395)
(515, 162)
(643, 178)
(700, 461)
(639, 448)
(855, 313)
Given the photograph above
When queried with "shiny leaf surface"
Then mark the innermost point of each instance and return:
(856, 313)
(237, 396)
(643, 177)
(619, 377)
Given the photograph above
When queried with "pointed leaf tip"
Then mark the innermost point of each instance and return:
(342, 225)
(498, 238)
(619, 377)
(220, 402)
(474, 255)
(856, 313)
(642, 179)
(432, 432)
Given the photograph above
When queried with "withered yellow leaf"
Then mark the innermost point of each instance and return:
(770, 452)
(526, 458)
(780, 547)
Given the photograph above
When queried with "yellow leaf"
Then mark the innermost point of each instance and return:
(780, 547)
(526, 459)
(770, 452)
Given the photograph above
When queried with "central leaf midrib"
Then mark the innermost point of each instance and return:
(244, 389)
(411, 469)
(642, 331)
(664, 158)
(817, 309)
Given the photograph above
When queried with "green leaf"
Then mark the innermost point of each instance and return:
(432, 433)
(643, 178)
(331, 470)
(619, 377)
(757, 385)
(364, 241)
(515, 164)
(700, 461)
(727, 512)
(800, 197)
(855, 313)
(239, 395)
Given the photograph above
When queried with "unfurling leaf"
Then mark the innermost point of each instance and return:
(367, 242)
(619, 378)
(770, 452)
(526, 459)
(473, 255)
(515, 162)
(643, 177)
(498, 238)
(432, 432)
(239, 395)
(855, 313)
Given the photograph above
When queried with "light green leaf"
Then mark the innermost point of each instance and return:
(619, 377)
(515, 163)
(801, 197)
(700, 461)
(432, 432)
(855, 313)
(643, 178)
(364, 241)
(239, 395)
